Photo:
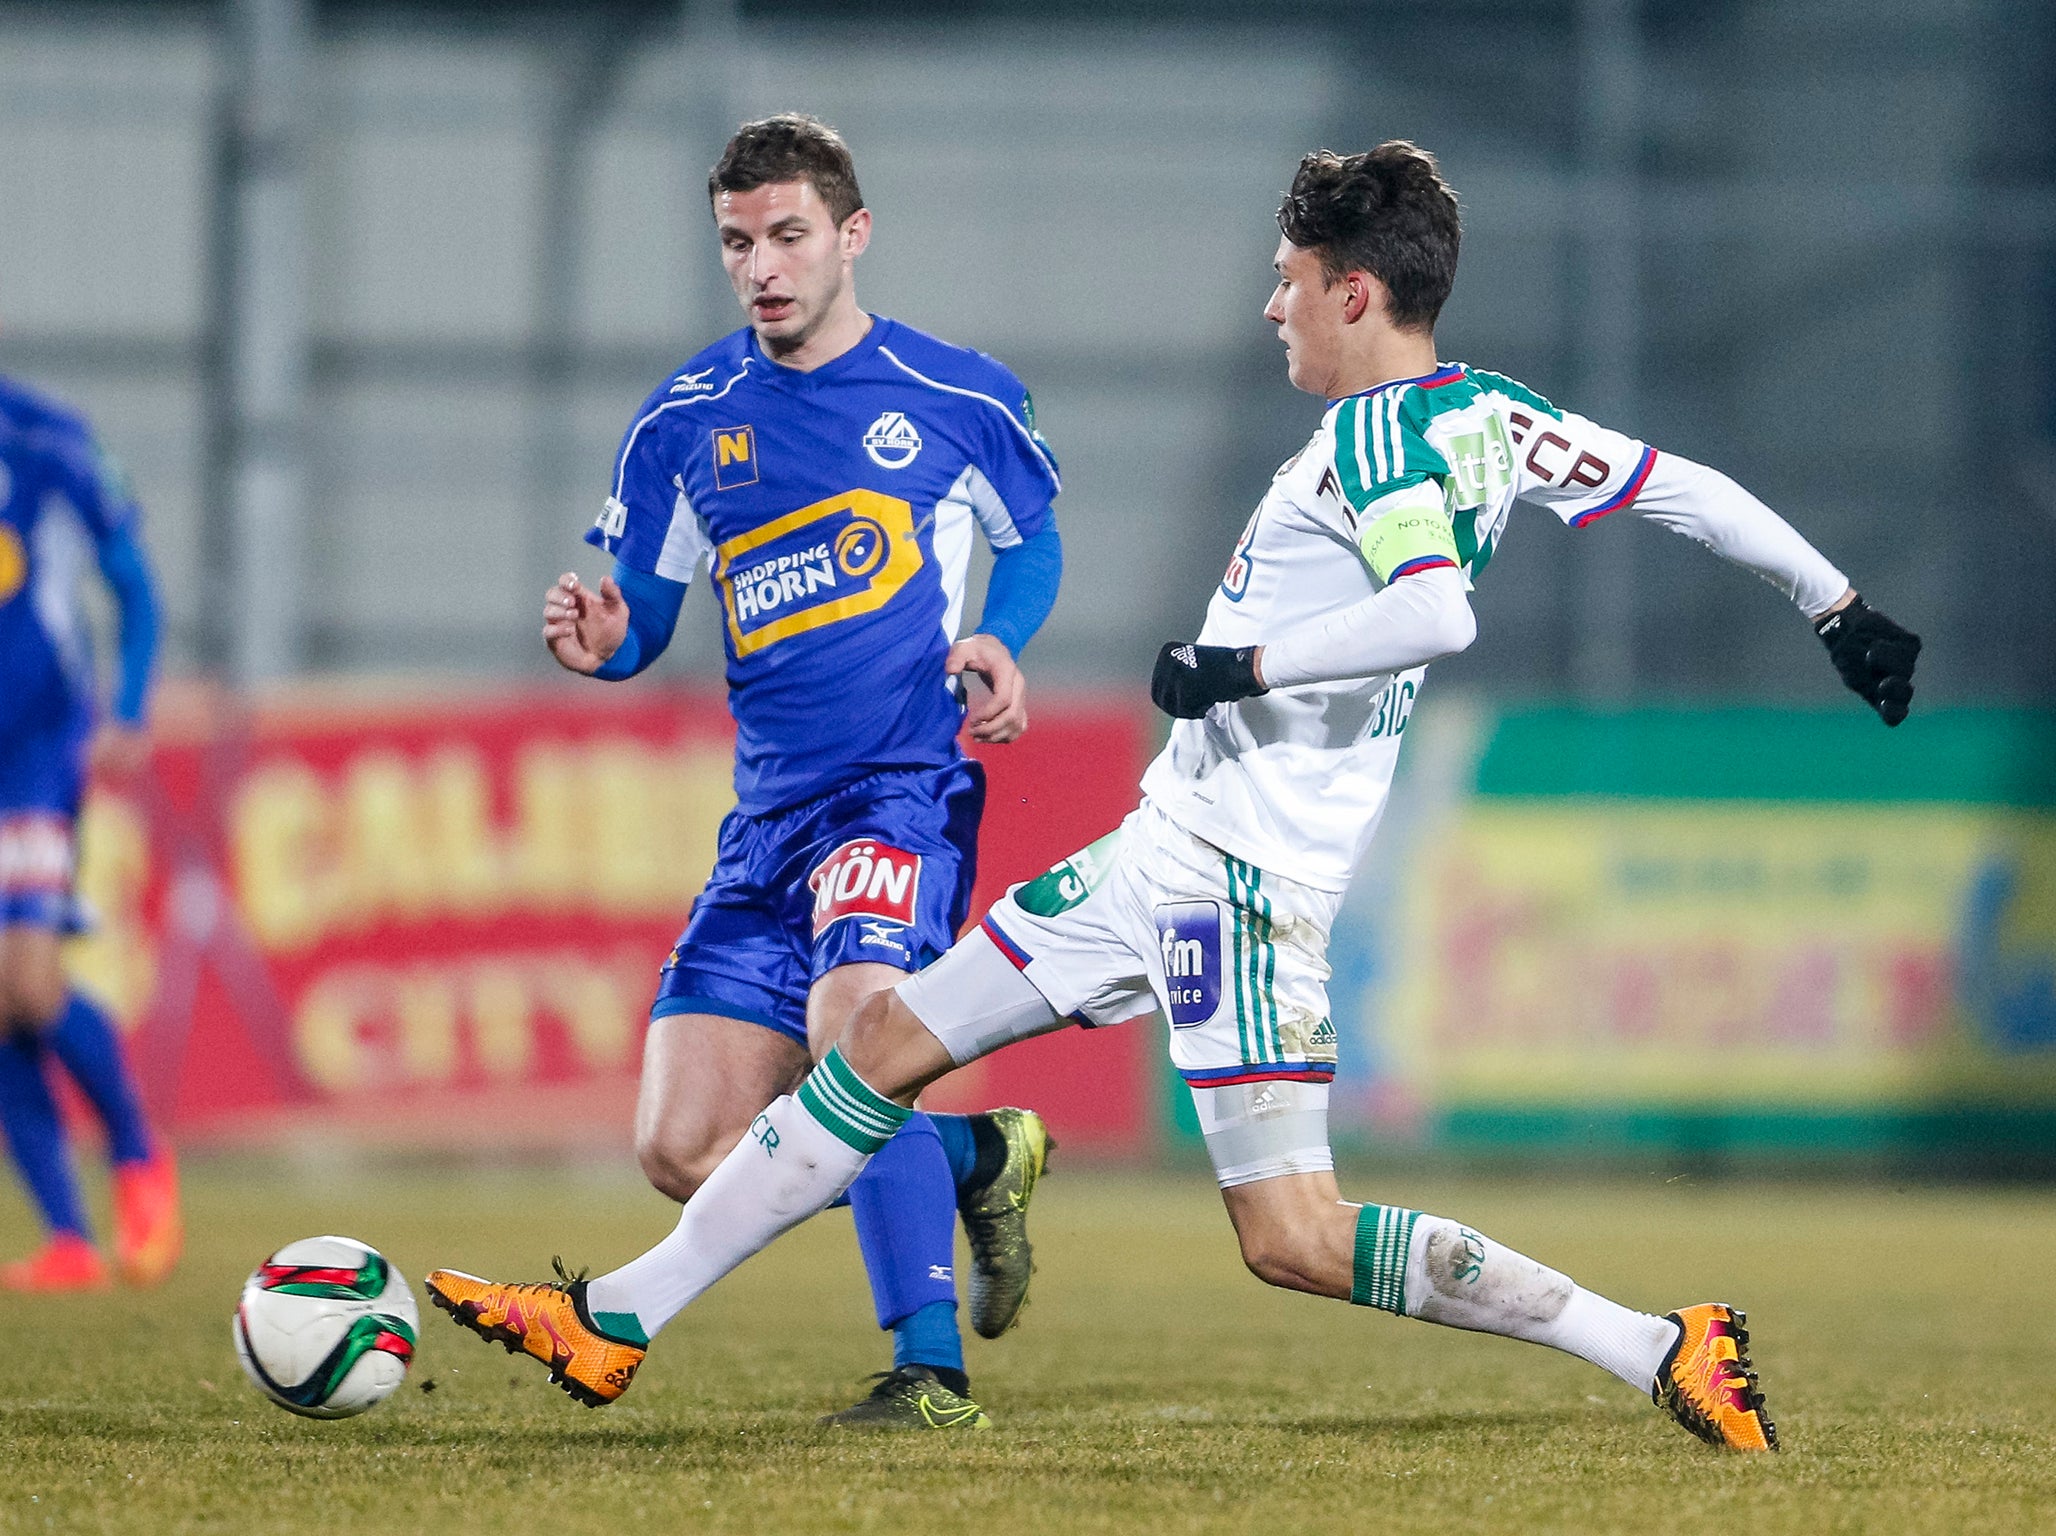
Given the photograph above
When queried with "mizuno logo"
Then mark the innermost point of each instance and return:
(692, 383)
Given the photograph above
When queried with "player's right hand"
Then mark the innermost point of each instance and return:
(1191, 678)
(1874, 656)
(581, 627)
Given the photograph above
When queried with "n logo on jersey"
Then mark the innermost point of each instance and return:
(892, 441)
(833, 560)
(1189, 936)
(735, 457)
(869, 879)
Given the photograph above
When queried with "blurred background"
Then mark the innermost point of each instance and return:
(363, 295)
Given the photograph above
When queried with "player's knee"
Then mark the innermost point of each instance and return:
(876, 1041)
(1275, 1257)
(31, 995)
(676, 1166)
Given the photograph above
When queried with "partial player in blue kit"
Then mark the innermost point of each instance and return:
(62, 505)
(832, 469)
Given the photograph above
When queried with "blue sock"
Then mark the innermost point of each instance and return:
(958, 1145)
(906, 1210)
(85, 1042)
(928, 1336)
(35, 1133)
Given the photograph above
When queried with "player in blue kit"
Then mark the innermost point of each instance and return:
(832, 468)
(61, 505)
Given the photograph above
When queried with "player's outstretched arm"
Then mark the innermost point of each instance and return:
(584, 628)
(1874, 655)
(1002, 715)
(1408, 623)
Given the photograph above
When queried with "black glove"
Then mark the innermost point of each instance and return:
(1874, 656)
(1191, 679)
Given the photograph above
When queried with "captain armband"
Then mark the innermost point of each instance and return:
(1412, 536)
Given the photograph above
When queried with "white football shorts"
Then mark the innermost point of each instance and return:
(1151, 916)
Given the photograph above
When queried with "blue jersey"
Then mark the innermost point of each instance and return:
(63, 505)
(835, 509)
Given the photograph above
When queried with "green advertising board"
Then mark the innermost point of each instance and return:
(1714, 934)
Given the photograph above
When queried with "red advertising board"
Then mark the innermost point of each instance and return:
(441, 921)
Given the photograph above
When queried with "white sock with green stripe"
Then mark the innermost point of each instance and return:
(801, 1153)
(1441, 1271)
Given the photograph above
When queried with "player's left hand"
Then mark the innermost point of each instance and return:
(1002, 714)
(1874, 656)
(1191, 678)
(119, 750)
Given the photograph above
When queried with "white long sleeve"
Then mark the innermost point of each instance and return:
(1705, 505)
(1417, 619)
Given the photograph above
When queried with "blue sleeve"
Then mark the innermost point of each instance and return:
(653, 604)
(135, 595)
(1023, 589)
(92, 482)
(647, 523)
(1018, 464)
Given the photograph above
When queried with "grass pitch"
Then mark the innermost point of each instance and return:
(1904, 1336)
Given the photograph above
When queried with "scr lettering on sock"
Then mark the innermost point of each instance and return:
(1475, 1283)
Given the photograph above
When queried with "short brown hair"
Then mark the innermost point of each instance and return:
(1387, 212)
(789, 147)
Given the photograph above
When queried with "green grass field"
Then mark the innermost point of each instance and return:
(1904, 1336)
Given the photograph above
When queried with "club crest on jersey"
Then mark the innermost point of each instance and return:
(735, 457)
(869, 879)
(833, 560)
(1189, 936)
(891, 441)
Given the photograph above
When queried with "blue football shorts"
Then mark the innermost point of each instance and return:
(880, 870)
(42, 781)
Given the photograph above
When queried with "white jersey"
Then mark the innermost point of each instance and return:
(1411, 476)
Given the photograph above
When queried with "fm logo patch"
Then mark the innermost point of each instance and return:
(1189, 937)
(735, 457)
(866, 878)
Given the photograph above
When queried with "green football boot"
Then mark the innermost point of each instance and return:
(995, 1217)
(912, 1397)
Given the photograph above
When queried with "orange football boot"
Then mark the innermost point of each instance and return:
(67, 1262)
(547, 1320)
(148, 1232)
(1706, 1384)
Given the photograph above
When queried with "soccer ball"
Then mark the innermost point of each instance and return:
(326, 1327)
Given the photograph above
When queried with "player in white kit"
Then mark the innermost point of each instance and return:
(1214, 899)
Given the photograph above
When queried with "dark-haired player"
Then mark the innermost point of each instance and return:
(62, 504)
(832, 468)
(1215, 898)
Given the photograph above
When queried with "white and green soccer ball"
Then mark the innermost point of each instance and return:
(326, 1327)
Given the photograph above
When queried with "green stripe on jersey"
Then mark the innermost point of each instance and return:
(1513, 389)
(851, 1110)
(1379, 447)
